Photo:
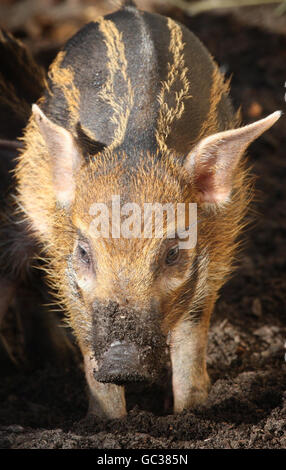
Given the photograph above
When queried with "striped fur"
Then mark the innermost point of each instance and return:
(63, 78)
(146, 109)
(176, 72)
(218, 89)
(165, 92)
(117, 64)
(137, 91)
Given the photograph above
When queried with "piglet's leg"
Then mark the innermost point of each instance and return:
(188, 355)
(106, 401)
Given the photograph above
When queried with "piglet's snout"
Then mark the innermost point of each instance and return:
(121, 364)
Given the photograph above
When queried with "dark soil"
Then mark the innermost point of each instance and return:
(45, 407)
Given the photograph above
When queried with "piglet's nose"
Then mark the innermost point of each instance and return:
(120, 364)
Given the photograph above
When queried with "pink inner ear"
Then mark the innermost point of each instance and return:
(213, 174)
(210, 190)
(215, 158)
(65, 158)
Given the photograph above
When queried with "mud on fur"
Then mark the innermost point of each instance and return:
(134, 105)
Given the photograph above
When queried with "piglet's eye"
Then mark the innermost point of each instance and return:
(172, 255)
(83, 254)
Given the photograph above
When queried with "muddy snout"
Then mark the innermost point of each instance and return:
(128, 345)
(121, 364)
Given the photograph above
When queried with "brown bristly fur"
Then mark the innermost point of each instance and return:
(218, 228)
(189, 152)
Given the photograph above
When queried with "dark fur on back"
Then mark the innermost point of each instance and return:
(115, 89)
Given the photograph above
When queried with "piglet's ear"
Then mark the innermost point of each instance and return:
(213, 161)
(64, 154)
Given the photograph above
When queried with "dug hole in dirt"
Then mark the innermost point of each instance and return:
(43, 406)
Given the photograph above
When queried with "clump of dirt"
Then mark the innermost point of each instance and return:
(45, 407)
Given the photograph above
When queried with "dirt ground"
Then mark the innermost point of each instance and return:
(44, 406)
